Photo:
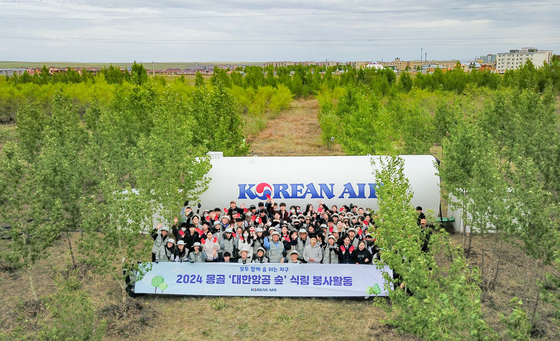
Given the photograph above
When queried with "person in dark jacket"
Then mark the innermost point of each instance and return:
(180, 231)
(362, 255)
(425, 235)
(347, 252)
(191, 237)
(371, 247)
(181, 253)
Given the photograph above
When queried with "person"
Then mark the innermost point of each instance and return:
(197, 256)
(191, 237)
(210, 246)
(294, 258)
(331, 252)
(371, 247)
(426, 235)
(362, 255)
(166, 252)
(244, 259)
(312, 252)
(179, 231)
(275, 248)
(421, 214)
(233, 209)
(258, 238)
(346, 252)
(284, 215)
(300, 243)
(245, 242)
(285, 236)
(186, 212)
(228, 243)
(260, 258)
(181, 252)
(159, 234)
(227, 257)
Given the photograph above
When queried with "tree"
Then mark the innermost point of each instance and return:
(444, 303)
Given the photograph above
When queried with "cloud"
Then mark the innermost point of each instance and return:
(253, 30)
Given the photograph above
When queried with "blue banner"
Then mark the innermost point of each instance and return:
(273, 279)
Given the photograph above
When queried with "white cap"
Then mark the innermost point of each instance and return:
(180, 242)
(171, 240)
(196, 244)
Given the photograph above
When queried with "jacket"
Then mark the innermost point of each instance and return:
(159, 240)
(262, 260)
(199, 257)
(165, 254)
(313, 252)
(361, 256)
(275, 250)
(347, 254)
(208, 247)
(331, 254)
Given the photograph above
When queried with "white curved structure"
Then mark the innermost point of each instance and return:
(335, 180)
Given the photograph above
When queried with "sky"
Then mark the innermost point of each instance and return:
(264, 30)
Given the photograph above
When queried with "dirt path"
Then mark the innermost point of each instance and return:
(296, 132)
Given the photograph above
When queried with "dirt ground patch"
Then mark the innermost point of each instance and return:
(295, 132)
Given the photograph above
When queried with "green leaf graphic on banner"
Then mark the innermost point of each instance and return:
(376, 289)
(156, 282)
(162, 286)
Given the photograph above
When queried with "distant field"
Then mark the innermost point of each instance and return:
(148, 65)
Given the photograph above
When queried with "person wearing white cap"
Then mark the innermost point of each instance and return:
(294, 258)
(166, 252)
(331, 251)
(181, 253)
(159, 234)
(300, 243)
(260, 258)
(197, 256)
(258, 238)
(228, 243)
(275, 248)
(244, 259)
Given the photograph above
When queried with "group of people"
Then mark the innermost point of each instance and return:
(270, 233)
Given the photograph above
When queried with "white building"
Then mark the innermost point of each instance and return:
(516, 58)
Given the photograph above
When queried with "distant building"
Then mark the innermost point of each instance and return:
(403, 65)
(516, 58)
(11, 72)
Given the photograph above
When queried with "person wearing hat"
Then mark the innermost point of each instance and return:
(258, 238)
(370, 245)
(166, 252)
(181, 252)
(228, 243)
(210, 246)
(294, 258)
(224, 222)
(331, 251)
(351, 233)
(244, 259)
(197, 256)
(300, 243)
(159, 234)
(191, 237)
(275, 248)
(313, 252)
(233, 209)
(260, 258)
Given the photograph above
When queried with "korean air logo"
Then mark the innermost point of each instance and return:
(263, 190)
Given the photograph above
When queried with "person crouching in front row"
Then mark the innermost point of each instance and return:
(293, 258)
(244, 259)
(260, 258)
